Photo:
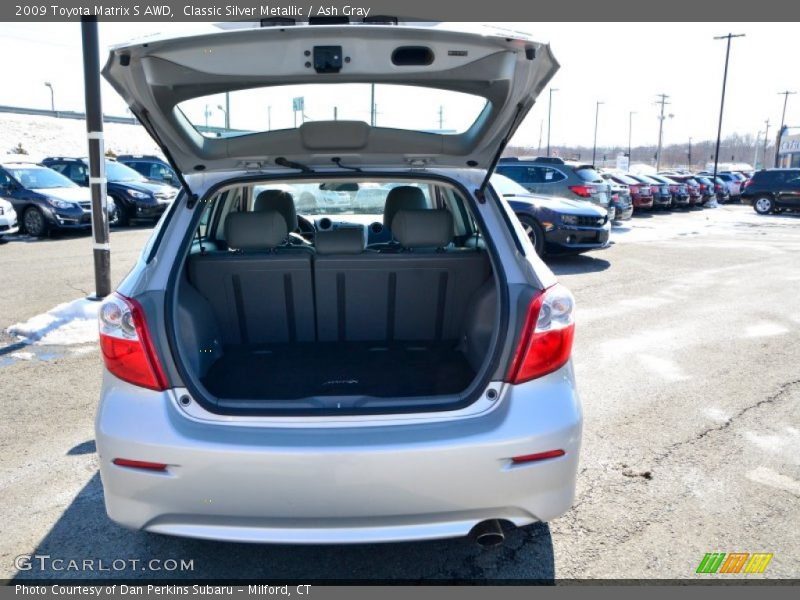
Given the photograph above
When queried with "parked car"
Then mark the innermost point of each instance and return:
(773, 190)
(265, 389)
(134, 196)
(678, 190)
(8, 220)
(692, 185)
(708, 189)
(555, 225)
(662, 197)
(641, 194)
(732, 182)
(557, 177)
(45, 200)
(150, 167)
(620, 199)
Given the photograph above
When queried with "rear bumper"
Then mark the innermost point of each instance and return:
(347, 484)
(623, 214)
(642, 201)
(149, 211)
(9, 224)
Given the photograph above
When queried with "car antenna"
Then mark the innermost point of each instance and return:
(339, 164)
(290, 164)
(479, 193)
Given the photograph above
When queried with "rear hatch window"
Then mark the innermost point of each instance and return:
(589, 174)
(407, 107)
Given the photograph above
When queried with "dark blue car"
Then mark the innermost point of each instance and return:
(135, 196)
(555, 225)
(45, 200)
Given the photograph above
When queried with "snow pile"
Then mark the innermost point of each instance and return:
(50, 136)
(69, 323)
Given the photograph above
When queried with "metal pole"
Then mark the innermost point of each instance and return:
(549, 112)
(541, 128)
(441, 117)
(630, 136)
(766, 141)
(97, 175)
(690, 152)
(596, 118)
(335, 113)
(227, 110)
(372, 105)
(269, 118)
(53, 99)
(729, 37)
(755, 154)
(786, 95)
(661, 118)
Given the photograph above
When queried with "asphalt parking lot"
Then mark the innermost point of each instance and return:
(687, 362)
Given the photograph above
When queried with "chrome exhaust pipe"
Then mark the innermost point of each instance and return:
(488, 533)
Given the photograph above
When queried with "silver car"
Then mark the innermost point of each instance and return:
(337, 378)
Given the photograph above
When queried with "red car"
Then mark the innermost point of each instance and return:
(641, 194)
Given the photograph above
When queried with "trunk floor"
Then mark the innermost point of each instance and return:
(293, 371)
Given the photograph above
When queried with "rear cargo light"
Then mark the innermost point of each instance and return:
(143, 464)
(526, 458)
(545, 343)
(584, 191)
(127, 349)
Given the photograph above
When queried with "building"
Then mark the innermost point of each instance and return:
(789, 150)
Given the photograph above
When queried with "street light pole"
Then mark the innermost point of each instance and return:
(785, 95)
(728, 37)
(630, 136)
(53, 100)
(224, 112)
(766, 141)
(596, 118)
(227, 110)
(549, 111)
(755, 154)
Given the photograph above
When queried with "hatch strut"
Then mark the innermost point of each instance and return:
(479, 193)
(144, 119)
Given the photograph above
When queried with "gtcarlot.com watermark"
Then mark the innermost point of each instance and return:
(46, 562)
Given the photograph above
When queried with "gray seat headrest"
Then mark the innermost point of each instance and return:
(404, 197)
(280, 201)
(423, 228)
(255, 230)
(345, 240)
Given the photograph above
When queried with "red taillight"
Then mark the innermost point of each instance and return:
(674, 189)
(125, 342)
(702, 186)
(140, 464)
(717, 187)
(584, 191)
(545, 343)
(526, 458)
(748, 183)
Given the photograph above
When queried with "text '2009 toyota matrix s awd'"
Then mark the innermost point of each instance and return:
(387, 359)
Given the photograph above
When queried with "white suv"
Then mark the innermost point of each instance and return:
(372, 373)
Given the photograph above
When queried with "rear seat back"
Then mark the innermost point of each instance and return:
(261, 293)
(416, 295)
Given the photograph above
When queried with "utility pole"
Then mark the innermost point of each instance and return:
(630, 137)
(766, 141)
(785, 95)
(755, 154)
(728, 37)
(372, 105)
(269, 118)
(53, 98)
(690, 152)
(549, 113)
(441, 117)
(97, 170)
(596, 118)
(335, 113)
(661, 118)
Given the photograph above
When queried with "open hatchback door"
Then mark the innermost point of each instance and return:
(359, 95)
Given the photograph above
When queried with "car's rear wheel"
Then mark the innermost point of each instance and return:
(534, 232)
(34, 222)
(764, 205)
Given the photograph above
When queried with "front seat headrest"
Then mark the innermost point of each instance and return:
(404, 197)
(423, 228)
(280, 201)
(255, 230)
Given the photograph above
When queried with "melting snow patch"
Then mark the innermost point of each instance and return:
(69, 323)
(765, 328)
(768, 477)
(663, 367)
(718, 415)
(23, 355)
